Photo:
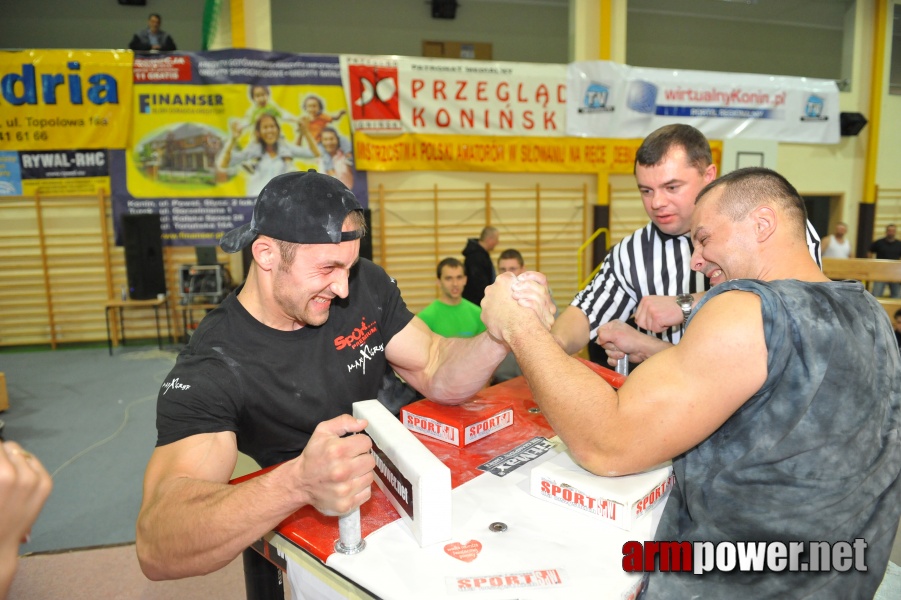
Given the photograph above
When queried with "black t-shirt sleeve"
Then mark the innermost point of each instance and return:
(200, 395)
(394, 312)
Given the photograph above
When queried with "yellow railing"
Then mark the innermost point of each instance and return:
(582, 249)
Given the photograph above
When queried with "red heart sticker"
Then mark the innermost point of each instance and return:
(466, 552)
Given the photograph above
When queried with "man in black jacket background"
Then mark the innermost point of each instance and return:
(477, 263)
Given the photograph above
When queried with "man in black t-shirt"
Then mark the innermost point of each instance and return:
(274, 371)
(888, 248)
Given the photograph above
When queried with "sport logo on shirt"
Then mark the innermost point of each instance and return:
(356, 338)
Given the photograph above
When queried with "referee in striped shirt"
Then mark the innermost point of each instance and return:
(647, 277)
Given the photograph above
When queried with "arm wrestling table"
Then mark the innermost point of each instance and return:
(505, 542)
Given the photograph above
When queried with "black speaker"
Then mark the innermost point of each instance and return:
(366, 242)
(142, 238)
(851, 123)
(444, 9)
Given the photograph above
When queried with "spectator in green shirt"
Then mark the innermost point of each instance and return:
(451, 315)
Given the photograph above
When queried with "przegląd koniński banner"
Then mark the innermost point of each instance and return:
(610, 100)
(401, 94)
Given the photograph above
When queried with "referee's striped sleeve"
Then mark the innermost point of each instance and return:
(813, 244)
(645, 263)
(607, 297)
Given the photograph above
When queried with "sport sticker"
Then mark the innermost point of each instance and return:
(542, 578)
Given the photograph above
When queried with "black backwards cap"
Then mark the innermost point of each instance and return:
(300, 207)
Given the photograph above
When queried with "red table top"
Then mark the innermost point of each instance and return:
(316, 533)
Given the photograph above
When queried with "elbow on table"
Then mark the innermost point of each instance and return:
(151, 565)
(598, 462)
(450, 399)
(155, 562)
(158, 565)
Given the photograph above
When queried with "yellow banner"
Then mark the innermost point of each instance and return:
(65, 99)
(416, 152)
(180, 132)
(87, 186)
(420, 152)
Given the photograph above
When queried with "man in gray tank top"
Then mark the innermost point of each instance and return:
(783, 443)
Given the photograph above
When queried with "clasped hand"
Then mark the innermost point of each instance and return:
(514, 300)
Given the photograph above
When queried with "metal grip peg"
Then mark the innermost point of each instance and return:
(622, 365)
(350, 536)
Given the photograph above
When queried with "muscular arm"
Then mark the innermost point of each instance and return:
(445, 370)
(571, 330)
(659, 313)
(675, 400)
(452, 370)
(192, 522)
(609, 295)
(619, 339)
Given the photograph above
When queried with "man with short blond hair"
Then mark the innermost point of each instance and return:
(645, 285)
(777, 434)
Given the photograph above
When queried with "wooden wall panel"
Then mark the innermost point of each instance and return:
(59, 263)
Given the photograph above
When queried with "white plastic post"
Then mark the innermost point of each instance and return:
(416, 483)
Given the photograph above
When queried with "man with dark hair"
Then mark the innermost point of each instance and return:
(648, 273)
(778, 436)
(152, 39)
(274, 372)
(478, 265)
(511, 261)
(887, 248)
(452, 315)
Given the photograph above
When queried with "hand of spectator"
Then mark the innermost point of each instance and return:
(334, 472)
(619, 339)
(658, 313)
(24, 487)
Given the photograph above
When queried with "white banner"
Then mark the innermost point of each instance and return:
(392, 94)
(610, 100)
